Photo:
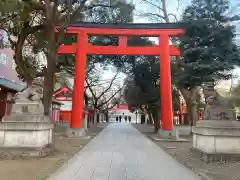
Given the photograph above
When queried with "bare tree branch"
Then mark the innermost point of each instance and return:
(153, 4)
(174, 16)
(106, 102)
(110, 85)
(91, 90)
(157, 16)
(97, 98)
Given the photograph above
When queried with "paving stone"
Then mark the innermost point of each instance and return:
(102, 170)
(120, 152)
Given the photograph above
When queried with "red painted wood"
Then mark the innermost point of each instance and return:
(63, 98)
(67, 49)
(79, 80)
(200, 115)
(64, 89)
(123, 41)
(142, 50)
(165, 85)
(65, 116)
(127, 50)
(121, 107)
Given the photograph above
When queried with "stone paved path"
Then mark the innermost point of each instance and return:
(120, 152)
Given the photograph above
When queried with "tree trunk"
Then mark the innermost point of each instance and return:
(51, 13)
(194, 113)
(94, 117)
(18, 57)
(21, 68)
(98, 118)
(50, 70)
(155, 115)
(150, 116)
(194, 106)
(86, 99)
(191, 99)
(107, 116)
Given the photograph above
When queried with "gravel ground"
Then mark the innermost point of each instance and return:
(181, 151)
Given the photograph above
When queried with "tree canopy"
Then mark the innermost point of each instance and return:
(32, 23)
(208, 48)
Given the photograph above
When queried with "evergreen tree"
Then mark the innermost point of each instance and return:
(208, 46)
(208, 49)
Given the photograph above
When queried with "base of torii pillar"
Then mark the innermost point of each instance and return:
(79, 132)
(76, 132)
(166, 133)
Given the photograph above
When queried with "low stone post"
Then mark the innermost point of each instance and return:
(86, 120)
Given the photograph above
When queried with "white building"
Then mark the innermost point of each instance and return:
(122, 110)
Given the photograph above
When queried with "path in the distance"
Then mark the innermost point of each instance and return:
(120, 152)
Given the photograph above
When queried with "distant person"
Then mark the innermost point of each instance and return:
(142, 119)
(126, 118)
(116, 118)
(129, 119)
(120, 118)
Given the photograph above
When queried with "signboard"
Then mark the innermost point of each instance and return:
(7, 62)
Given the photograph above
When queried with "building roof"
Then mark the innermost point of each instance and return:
(120, 107)
(63, 93)
(11, 85)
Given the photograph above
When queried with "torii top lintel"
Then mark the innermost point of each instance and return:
(141, 29)
(123, 30)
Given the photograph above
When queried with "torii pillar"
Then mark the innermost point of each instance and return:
(165, 84)
(82, 48)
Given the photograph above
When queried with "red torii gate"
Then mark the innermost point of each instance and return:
(82, 48)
